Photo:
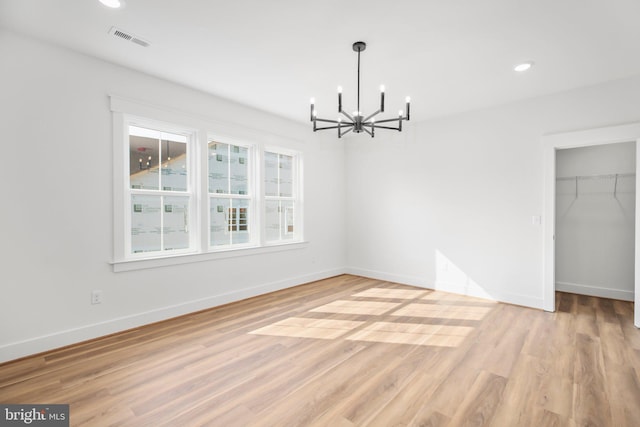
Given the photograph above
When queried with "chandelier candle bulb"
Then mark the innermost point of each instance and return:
(313, 101)
(408, 106)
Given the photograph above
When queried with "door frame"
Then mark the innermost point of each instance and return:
(583, 138)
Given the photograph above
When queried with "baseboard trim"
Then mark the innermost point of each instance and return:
(456, 288)
(32, 346)
(389, 277)
(595, 291)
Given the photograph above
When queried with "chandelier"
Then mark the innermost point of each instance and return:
(357, 122)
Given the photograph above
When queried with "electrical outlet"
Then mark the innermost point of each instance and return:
(96, 297)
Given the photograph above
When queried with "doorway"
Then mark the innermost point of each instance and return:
(551, 144)
(595, 220)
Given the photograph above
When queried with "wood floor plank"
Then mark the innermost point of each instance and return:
(431, 419)
(481, 401)
(520, 405)
(350, 351)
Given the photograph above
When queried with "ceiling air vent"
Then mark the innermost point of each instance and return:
(128, 37)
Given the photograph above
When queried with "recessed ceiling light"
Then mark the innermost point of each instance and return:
(114, 4)
(523, 67)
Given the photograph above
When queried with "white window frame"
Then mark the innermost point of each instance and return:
(125, 112)
(252, 196)
(191, 135)
(296, 197)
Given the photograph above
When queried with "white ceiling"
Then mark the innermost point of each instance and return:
(449, 55)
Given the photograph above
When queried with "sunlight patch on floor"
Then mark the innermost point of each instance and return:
(302, 327)
(442, 311)
(356, 307)
(376, 327)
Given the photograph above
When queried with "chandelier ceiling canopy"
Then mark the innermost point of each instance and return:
(357, 122)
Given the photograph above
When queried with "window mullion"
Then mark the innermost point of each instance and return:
(202, 191)
(162, 246)
(228, 168)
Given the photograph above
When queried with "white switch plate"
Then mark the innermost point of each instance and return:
(536, 220)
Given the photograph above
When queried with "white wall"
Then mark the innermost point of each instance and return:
(595, 230)
(449, 203)
(57, 220)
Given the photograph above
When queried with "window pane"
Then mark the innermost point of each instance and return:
(272, 220)
(238, 166)
(176, 223)
(145, 223)
(279, 220)
(143, 158)
(287, 218)
(229, 221)
(239, 221)
(286, 175)
(174, 164)
(271, 174)
(218, 167)
(218, 228)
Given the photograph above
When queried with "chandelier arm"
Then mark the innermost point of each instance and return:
(346, 131)
(333, 127)
(385, 127)
(368, 131)
(348, 116)
(372, 115)
(326, 120)
(397, 119)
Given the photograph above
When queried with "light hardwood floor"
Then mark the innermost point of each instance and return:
(349, 351)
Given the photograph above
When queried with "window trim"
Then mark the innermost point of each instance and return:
(123, 110)
(140, 264)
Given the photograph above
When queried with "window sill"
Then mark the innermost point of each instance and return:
(140, 264)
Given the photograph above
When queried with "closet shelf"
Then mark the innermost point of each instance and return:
(612, 176)
(603, 176)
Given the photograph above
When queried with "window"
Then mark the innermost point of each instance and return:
(181, 195)
(230, 195)
(159, 192)
(281, 196)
